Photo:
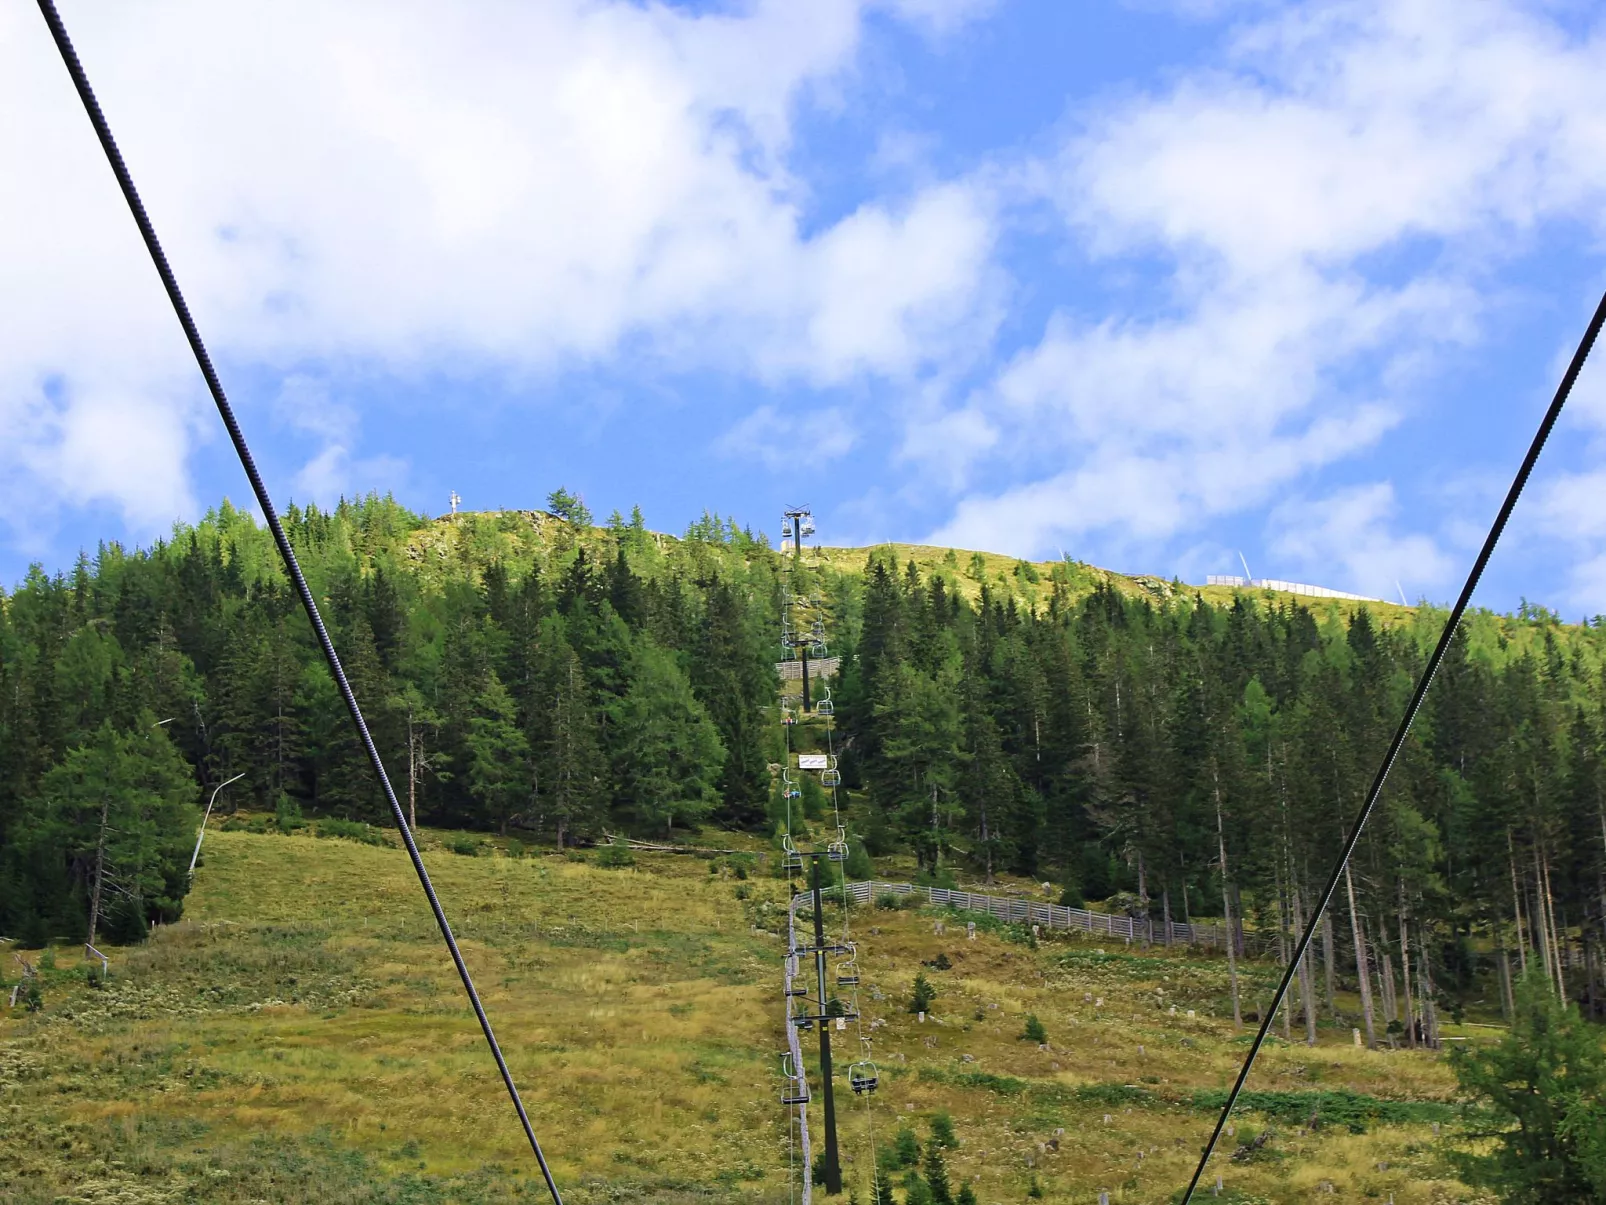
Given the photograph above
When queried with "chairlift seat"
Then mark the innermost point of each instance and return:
(830, 778)
(796, 1098)
(863, 1077)
(847, 981)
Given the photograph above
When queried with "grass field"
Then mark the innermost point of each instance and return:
(302, 1037)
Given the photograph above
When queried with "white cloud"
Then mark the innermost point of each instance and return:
(1346, 541)
(781, 441)
(1318, 214)
(409, 188)
(305, 405)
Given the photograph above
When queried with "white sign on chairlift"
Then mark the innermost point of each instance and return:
(812, 761)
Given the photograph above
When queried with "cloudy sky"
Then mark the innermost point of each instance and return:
(1148, 284)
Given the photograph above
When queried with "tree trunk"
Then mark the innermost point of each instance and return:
(1165, 906)
(100, 870)
(1555, 933)
(412, 771)
(1363, 972)
(1328, 970)
(1516, 904)
(1405, 970)
(1541, 927)
(1430, 1014)
(1226, 908)
(1307, 981)
(1385, 961)
(1508, 1006)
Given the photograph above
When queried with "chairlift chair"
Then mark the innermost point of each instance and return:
(830, 778)
(837, 851)
(817, 649)
(797, 1090)
(825, 706)
(847, 974)
(790, 858)
(863, 1077)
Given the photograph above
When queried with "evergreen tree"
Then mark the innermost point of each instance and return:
(670, 754)
(498, 767)
(1545, 1083)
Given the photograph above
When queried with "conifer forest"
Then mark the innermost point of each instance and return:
(538, 675)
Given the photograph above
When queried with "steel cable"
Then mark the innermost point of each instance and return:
(1426, 680)
(203, 359)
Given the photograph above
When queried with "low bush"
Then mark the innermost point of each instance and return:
(615, 855)
(351, 830)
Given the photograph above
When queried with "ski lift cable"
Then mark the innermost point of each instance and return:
(203, 359)
(1563, 390)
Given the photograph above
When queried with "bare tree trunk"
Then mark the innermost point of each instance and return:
(1385, 960)
(1542, 938)
(1555, 933)
(1307, 981)
(1328, 955)
(412, 771)
(1405, 971)
(1165, 904)
(1143, 886)
(1226, 907)
(1430, 1013)
(1508, 1006)
(1516, 903)
(100, 870)
(1363, 971)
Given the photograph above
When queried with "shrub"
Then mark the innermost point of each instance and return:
(743, 891)
(464, 846)
(942, 1131)
(905, 1149)
(350, 830)
(1036, 1189)
(859, 865)
(32, 999)
(615, 855)
(515, 848)
(922, 995)
(287, 814)
(1034, 1031)
(887, 900)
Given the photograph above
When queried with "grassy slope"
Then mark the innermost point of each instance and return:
(302, 1037)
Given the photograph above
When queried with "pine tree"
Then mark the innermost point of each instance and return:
(498, 768)
(670, 754)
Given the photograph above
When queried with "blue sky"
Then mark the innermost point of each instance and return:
(1149, 284)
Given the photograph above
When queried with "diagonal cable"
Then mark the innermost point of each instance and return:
(125, 181)
(1426, 680)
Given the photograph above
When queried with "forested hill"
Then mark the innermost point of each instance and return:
(538, 674)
